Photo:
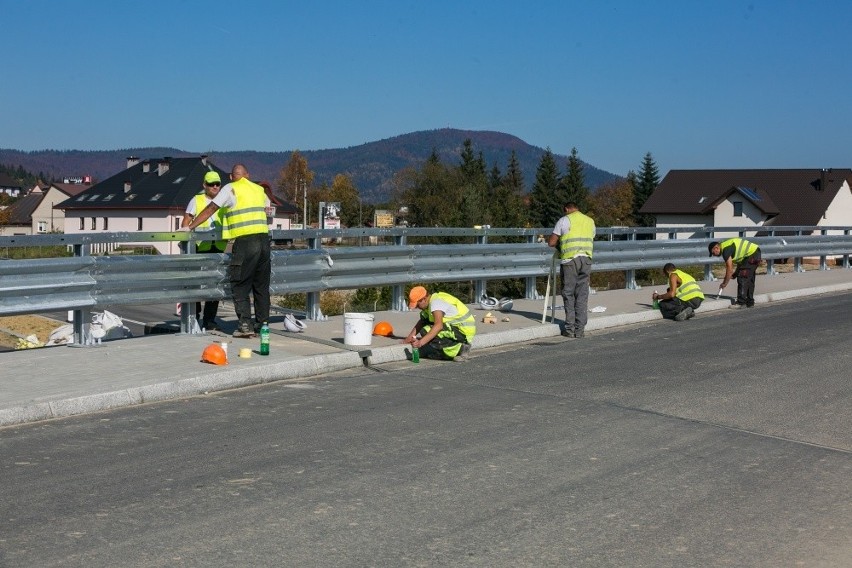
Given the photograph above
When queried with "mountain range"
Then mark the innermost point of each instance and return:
(371, 166)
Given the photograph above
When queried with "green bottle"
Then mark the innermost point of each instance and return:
(264, 339)
(415, 355)
(656, 303)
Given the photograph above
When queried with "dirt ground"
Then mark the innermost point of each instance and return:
(26, 325)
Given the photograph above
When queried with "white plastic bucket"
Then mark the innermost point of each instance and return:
(357, 328)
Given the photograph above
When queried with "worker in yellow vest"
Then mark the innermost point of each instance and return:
(683, 296)
(746, 255)
(211, 185)
(573, 238)
(244, 221)
(446, 326)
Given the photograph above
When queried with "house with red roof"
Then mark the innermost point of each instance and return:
(752, 198)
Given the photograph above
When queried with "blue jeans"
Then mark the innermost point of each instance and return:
(250, 274)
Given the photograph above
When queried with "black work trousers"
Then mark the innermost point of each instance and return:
(250, 274)
(746, 276)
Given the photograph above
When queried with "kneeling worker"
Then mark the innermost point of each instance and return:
(446, 326)
(683, 297)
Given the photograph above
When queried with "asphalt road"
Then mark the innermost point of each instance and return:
(722, 441)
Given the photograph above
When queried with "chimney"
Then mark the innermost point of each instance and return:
(132, 161)
(163, 166)
(822, 173)
(127, 187)
(204, 159)
(146, 166)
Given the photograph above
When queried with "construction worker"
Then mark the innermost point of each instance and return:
(683, 296)
(573, 237)
(445, 328)
(244, 221)
(746, 255)
(211, 186)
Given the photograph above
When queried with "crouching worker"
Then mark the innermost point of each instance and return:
(445, 328)
(683, 297)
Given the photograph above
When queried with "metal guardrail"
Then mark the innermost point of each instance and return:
(84, 282)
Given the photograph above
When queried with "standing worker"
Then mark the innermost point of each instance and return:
(683, 297)
(212, 183)
(245, 204)
(446, 325)
(746, 255)
(573, 237)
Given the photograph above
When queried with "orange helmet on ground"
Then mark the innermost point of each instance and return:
(383, 328)
(214, 353)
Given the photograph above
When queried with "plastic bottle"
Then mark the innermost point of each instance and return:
(415, 355)
(264, 339)
(656, 303)
(224, 345)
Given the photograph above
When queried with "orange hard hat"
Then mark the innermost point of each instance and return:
(214, 353)
(383, 328)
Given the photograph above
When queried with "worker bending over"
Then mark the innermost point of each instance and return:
(683, 296)
(445, 328)
(746, 255)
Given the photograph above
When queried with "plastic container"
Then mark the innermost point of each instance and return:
(357, 328)
(264, 339)
(415, 355)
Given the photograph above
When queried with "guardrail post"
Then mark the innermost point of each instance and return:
(630, 275)
(846, 256)
(770, 263)
(312, 299)
(530, 293)
(823, 265)
(480, 287)
(398, 303)
(797, 261)
(188, 317)
(81, 249)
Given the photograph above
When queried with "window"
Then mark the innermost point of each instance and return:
(42, 227)
(738, 208)
(106, 223)
(177, 223)
(139, 223)
(82, 224)
(94, 223)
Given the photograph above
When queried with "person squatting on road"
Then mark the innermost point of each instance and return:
(746, 255)
(573, 237)
(211, 185)
(683, 296)
(245, 222)
(446, 326)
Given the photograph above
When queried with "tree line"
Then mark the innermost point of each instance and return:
(469, 193)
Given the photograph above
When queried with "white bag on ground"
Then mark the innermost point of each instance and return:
(111, 324)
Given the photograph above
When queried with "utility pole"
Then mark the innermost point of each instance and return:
(304, 203)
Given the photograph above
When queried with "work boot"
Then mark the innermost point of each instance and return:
(569, 333)
(691, 314)
(244, 330)
(685, 314)
(463, 353)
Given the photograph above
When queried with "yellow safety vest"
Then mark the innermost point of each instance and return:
(212, 222)
(580, 237)
(248, 216)
(743, 250)
(688, 288)
(463, 320)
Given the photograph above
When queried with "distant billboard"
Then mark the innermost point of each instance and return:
(383, 219)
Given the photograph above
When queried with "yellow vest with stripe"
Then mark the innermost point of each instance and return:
(688, 288)
(462, 321)
(580, 237)
(212, 222)
(743, 250)
(248, 216)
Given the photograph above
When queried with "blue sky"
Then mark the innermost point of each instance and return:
(713, 84)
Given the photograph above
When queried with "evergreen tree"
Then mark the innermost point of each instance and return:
(573, 185)
(430, 194)
(508, 209)
(644, 185)
(546, 207)
(473, 183)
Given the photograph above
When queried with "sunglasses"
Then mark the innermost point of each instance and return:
(215, 184)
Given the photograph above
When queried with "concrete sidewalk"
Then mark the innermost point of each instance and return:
(55, 382)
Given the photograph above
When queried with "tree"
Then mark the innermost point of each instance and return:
(612, 204)
(507, 199)
(573, 185)
(473, 184)
(294, 180)
(645, 184)
(430, 194)
(545, 204)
